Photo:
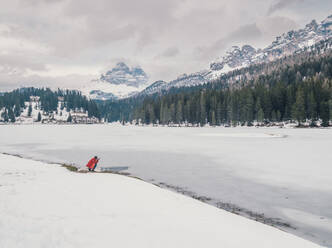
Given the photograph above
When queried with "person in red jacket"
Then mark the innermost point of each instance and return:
(92, 164)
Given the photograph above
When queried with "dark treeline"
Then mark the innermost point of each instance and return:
(123, 110)
(297, 88)
(13, 102)
(114, 110)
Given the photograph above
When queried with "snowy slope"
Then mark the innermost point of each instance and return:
(153, 88)
(47, 206)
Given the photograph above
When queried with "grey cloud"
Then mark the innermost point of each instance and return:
(34, 2)
(142, 19)
(88, 34)
(244, 34)
(72, 26)
(170, 52)
(20, 63)
(281, 4)
(13, 81)
(275, 26)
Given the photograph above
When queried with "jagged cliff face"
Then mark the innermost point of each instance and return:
(236, 57)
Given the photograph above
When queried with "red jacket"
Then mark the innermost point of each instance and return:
(91, 164)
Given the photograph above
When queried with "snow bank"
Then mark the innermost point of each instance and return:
(45, 205)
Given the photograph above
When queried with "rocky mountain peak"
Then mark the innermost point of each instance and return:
(120, 67)
(313, 25)
(122, 74)
(234, 57)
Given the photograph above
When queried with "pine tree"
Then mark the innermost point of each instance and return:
(219, 114)
(17, 109)
(213, 118)
(267, 103)
(29, 110)
(298, 112)
(312, 107)
(278, 116)
(259, 111)
(4, 115)
(179, 112)
(260, 115)
(39, 117)
(69, 119)
(162, 112)
(151, 115)
(325, 114)
(274, 116)
(202, 109)
(249, 108)
(330, 107)
(11, 115)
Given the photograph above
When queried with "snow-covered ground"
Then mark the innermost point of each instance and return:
(285, 174)
(45, 205)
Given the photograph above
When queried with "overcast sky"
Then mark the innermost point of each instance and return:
(66, 43)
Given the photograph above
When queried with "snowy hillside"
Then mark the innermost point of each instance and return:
(45, 205)
(286, 44)
(153, 88)
(120, 82)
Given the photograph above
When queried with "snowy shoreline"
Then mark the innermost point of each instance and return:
(227, 206)
(47, 206)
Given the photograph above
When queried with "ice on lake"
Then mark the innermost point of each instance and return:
(285, 174)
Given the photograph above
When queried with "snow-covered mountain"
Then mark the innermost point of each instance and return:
(122, 81)
(153, 88)
(284, 45)
(121, 74)
(240, 57)
(119, 82)
(184, 80)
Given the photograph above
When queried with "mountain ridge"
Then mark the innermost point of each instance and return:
(236, 57)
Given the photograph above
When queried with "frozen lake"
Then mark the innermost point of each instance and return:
(285, 174)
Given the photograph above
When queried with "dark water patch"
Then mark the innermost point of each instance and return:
(229, 207)
(114, 169)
